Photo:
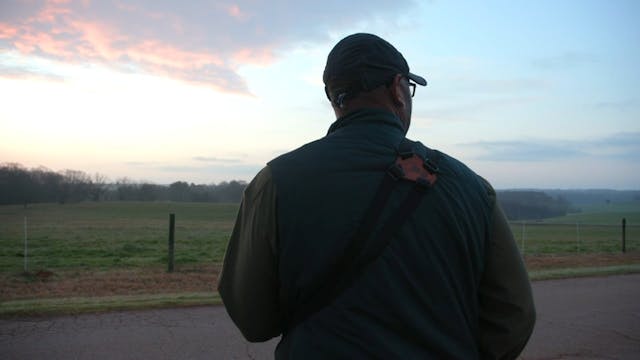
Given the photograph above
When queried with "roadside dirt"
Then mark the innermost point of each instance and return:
(86, 283)
(81, 283)
(544, 262)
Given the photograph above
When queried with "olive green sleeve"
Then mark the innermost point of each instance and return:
(507, 311)
(248, 283)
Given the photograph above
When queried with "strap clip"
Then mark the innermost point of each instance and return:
(396, 172)
(431, 166)
(422, 172)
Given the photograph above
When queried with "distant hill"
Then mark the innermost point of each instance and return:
(532, 204)
(595, 196)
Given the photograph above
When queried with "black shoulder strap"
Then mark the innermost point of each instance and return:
(362, 249)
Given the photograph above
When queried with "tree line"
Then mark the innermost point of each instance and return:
(19, 185)
(529, 205)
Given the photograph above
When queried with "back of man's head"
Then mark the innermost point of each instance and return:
(360, 63)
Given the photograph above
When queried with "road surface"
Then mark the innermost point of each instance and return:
(588, 318)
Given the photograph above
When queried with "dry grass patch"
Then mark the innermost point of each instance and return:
(90, 283)
(550, 262)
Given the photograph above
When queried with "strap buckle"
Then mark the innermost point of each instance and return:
(396, 171)
(414, 168)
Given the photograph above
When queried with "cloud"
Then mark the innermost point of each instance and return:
(216, 159)
(178, 168)
(522, 150)
(621, 105)
(141, 163)
(625, 146)
(620, 146)
(223, 168)
(485, 86)
(204, 174)
(563, 61)
(469, 108)
(198, 41)
(10, 69)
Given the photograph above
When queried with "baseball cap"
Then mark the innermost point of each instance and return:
(362, 62)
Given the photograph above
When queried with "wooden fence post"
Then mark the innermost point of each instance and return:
(523, 234)
(624, 235)
(26, 248)
(172, 227)
(577, 237)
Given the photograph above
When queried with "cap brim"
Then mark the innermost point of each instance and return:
(417, 79)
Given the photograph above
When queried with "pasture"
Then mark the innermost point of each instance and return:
(112, 235)
(123, 235)
(113, 255)
(597, 229)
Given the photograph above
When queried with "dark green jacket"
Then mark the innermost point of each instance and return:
(434, 292)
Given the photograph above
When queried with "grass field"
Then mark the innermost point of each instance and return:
(109, 235)
(112, 235)
(597, 229)
(118, 251)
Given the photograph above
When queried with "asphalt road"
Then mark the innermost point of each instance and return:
(589, 318)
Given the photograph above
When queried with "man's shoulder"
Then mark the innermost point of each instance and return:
(453, 167)
(262, 182)
(297, 153)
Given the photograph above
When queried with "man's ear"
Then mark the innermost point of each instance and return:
(397, 91)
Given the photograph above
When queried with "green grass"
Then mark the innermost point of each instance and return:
(109, 235)
(597, 229)
(604, 214)
(66, 306)
(102, 304)
(112, 235)
(584, 271)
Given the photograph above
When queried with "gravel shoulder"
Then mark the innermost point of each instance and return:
(584, 318)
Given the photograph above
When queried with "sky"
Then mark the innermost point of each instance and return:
(528, 94)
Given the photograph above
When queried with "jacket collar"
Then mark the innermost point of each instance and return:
(368, 116)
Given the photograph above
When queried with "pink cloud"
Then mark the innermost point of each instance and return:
(197, 40)
(253, 56)
(96, 41)
(50, 12)
(235, 12)
(7, 31)
(158, 53)
(56, 31)
(126, 7)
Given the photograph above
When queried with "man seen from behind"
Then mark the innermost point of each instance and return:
(364, 244)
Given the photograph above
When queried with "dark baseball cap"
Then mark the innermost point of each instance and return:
(362, 62)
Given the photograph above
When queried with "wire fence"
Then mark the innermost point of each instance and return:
(564, 238)
(106, 236)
